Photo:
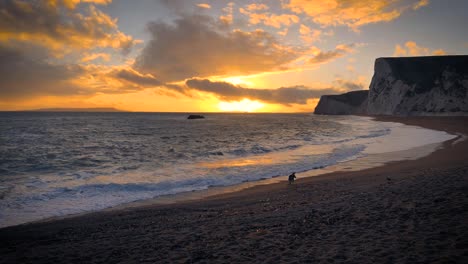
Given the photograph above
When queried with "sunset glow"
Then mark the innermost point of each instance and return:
(245, 105)
(238, 81)
(181, 56)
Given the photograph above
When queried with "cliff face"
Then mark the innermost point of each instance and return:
(435, 85)
(350, 103)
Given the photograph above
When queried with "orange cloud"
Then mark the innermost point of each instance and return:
(203, 5)
(28, 73)
(117, 80)
(352, 13)
(341, 50)
(268, 19)
(95, 56)
(71, 4)
(410, 48)
(59, 25)
(212, 51)
(309, 35)
(283, 95)
(439, 52)
(284, 32)
(254, 7)
(420, 4)
(228, 17)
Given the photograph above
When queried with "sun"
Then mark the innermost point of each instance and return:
(245, 105)
(238, 80)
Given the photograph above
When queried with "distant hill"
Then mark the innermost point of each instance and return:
(97, 109)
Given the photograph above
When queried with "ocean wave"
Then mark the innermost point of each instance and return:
(79, 170)
(376, 133)
(90, 197)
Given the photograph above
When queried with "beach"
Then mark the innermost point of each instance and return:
(412, 211)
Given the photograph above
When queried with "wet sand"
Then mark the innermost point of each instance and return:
(403, 212)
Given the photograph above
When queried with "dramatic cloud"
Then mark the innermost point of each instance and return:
(28, 75)
(327, 56)
(268, 19)
(31, 33)
(120, 80)
(283, 95)
(70, 50)
(61, 24)
(137, 78)
(95, 56)
(410, 48)
(27, 72)
(197, 46)
(352, 13)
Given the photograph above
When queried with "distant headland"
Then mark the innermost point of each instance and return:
(406, 86)
(97, 109)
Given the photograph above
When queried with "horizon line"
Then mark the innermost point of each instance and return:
(160, 112)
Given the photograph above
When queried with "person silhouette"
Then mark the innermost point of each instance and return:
(292, 177)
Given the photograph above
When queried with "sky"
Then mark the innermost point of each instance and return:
(210, 55)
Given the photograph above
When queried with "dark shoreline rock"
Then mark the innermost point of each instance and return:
(195, 117)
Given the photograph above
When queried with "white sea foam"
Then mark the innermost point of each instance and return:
(402, 137)
(168, 155)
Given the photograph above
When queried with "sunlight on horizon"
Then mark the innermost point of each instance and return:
(238, 80)
(245, 105)
(202, 56)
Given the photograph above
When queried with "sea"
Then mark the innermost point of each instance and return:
(55, 164)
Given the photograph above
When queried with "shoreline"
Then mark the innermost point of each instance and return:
(356, 164)
(273, 216)
(413, 121)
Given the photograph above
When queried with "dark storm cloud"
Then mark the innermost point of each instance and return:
(198, 46)
(283, 95)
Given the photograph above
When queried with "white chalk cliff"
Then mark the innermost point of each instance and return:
(434, 85)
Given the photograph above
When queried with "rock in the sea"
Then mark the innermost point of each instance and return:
(351, 103)
(433, 85)
(195, 117)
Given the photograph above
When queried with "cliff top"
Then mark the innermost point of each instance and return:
(423, 71)
(354, 98)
